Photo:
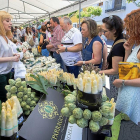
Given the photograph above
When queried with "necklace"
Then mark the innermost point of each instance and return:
(88, 41)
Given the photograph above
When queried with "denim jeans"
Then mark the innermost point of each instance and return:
(73, 69)
(45, 52)
(58, 59)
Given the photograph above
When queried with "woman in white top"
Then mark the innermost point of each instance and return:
(6, 55)
(28, 35)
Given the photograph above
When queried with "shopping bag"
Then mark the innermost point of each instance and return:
(126, 67)
(20, 70)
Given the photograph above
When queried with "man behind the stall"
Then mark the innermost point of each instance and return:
(71, 46)
(56, 39)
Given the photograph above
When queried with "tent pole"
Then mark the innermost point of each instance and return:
(79, 12)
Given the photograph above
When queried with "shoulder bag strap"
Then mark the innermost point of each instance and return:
(117, 42)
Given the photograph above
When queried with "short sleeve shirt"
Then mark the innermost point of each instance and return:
(73, 36)
(117, 50)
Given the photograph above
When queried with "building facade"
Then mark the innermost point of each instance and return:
(115, 7)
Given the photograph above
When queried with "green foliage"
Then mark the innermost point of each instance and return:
(41, 84)
(134, 1)
(91, 10)
(131, 1)
(96, 10)
(72, 14)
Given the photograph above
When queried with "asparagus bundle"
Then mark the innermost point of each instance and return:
(90, 82)
(9, 116)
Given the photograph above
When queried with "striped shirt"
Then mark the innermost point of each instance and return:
(56, 37)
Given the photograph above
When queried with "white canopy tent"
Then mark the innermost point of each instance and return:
(25, 11)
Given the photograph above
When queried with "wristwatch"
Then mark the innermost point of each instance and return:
(83, 62)
(66, 49)
(123, 84)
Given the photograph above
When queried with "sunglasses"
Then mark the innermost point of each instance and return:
(104, 31)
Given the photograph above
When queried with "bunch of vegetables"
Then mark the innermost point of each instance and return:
(90, 67)
(41, 64)
(91, 83)
(24, 45)
(26, 97)
(84, 118)
(10, 112)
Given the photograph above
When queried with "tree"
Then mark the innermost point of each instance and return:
(96, 11)
(134, 1)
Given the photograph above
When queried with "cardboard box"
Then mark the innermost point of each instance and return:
(46, 122)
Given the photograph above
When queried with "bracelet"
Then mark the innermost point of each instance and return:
(83, 62)
(123, 84)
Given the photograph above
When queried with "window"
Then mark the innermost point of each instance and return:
(101, 3)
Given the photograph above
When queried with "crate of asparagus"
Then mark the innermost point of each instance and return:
(89, 90)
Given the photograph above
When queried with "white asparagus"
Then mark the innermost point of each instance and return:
(9, 125)
(80, 84)
(104, 91)
(3, 122)
(104, 79)
(15, 120)
(94, 87)
(100, 85)
(93, 72)
(88, 86)
(18, 106)
(87, 72)
(110, 122)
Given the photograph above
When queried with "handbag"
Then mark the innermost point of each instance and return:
(39, 49)
(31, 42)
(129, 70)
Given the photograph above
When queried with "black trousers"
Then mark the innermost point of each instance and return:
(3, 82)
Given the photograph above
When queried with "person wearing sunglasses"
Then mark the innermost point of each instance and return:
(112, 28)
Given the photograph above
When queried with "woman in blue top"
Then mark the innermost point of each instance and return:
(93, 47)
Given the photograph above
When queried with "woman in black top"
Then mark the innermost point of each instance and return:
(43, 43)
(113, 28)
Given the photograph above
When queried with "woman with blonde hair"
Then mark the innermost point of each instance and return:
(6, 56)
(128, 100)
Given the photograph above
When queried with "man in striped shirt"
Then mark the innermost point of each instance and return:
(56, 39)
